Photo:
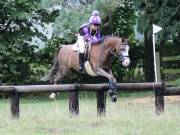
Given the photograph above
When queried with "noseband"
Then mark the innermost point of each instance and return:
(119, 56)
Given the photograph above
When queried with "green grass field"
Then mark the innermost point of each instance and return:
(41, 116)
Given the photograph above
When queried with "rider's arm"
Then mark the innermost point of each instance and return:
(85, 33)
(97, 38)
(93, 40)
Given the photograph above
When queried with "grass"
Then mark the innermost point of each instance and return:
(174, 82)
(171, 58)
(171, 71)
(41, 116)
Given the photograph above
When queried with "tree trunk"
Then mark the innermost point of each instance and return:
(162, 49)
(149, 61)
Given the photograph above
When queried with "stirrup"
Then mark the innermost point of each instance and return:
(80, 69)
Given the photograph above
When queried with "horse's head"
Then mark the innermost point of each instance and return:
(120, 48)
(124, 52)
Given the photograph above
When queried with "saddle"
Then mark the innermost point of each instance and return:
(87, 65)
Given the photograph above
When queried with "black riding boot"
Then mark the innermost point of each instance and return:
(81, 61)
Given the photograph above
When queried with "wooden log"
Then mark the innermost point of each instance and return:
(101, 102)
(7, 88)
(82, 87)
(14, 102)
(171, 91)
(74, 103)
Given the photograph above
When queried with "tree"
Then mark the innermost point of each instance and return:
(75, 13)
(16, 30)
(165, 14)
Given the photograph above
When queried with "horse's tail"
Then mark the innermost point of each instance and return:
(54, 68)
(55, 59)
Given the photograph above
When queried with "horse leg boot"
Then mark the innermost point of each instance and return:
(112, 83)
(81, 62)
(113, 90)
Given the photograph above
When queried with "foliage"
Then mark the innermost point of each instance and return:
(163, 13)
(123, 23)
(16, 30)
(72, 17)
(124, 19)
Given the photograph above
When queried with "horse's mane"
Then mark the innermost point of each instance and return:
(112, 36)
(108, 36)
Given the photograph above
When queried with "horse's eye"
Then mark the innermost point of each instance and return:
(114, 50)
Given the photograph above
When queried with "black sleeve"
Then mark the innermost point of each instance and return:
(81, 32)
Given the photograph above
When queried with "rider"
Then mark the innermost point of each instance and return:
(88, 32)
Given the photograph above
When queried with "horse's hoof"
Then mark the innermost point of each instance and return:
(111, 93)
(52, 96)
(114, 98)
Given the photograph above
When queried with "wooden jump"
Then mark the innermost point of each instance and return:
(80, 87)
(159, 89)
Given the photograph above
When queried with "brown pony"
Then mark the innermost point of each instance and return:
(99, 63)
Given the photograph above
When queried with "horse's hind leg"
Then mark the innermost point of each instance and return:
(59, 76)
(57, 79)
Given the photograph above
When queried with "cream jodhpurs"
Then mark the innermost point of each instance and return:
(81, 43)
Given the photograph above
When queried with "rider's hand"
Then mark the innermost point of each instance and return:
(101, 39)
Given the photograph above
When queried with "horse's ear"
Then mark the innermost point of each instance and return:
(122, 40)
(126, 41)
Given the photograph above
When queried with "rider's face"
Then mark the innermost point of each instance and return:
(94, 27)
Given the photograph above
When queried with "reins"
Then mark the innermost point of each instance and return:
(120, 57)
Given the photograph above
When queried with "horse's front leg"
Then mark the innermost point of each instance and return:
(112, 83)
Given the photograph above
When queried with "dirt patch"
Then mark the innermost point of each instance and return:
(172, 99)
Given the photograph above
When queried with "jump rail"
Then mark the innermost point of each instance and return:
(80, 87)
(158, 88)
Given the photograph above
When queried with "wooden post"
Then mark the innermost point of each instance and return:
(14, 101)
(159, 100)
(101, 102)
(73, 103)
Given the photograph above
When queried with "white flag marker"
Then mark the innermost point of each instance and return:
(156, 29)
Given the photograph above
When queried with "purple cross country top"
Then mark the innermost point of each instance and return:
(91, 36)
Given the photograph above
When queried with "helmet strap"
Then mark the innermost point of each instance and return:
(91, 30)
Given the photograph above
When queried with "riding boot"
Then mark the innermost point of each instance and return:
(81, 62)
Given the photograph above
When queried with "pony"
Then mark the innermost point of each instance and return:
(98, 62)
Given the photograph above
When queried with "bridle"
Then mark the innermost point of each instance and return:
(119, 55)
(113, 51)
